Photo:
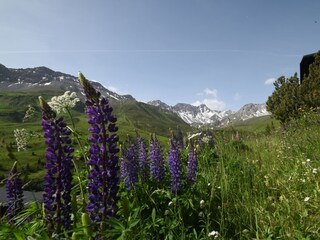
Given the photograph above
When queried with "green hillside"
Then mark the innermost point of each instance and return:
(255, 125)
(132, 116)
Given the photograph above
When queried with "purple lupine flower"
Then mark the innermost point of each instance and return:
(57, 186)
(103, 160)
(175, 167)
(210, 139)
(129, 164)
(143, 158)
(156, 159)
(180, 139)
(14, 192)
(192, 165)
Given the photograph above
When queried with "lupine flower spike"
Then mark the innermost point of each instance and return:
(192, 165)
(103, 160)
(129, 164)
(57, 186)
(143, 158)
(175, 167)
(180, 139)
(14, 192)
(156, 159)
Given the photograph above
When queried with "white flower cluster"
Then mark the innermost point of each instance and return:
(22, 137)
(29, 113)
(62, 103)
(214, 234)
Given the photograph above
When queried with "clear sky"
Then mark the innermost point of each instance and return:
(224, 53)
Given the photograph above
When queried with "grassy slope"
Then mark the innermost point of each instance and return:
(131, 116)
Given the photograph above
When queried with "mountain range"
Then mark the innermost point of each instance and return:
(41, 79)
(201, 115)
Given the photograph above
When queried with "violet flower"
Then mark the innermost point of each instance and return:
(175, 167)
(103, 160)
(180, 139)
(192, 165)
(210, 139)
(14, 192)
(129, 164)
(143, 158)
(57, 186)
(200, 139)
(156, 159)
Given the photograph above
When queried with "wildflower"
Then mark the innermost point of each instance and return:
(156, 159)
(143, 158)
(214, 234)
(29, 113)
(22, 137)
(14, 192)
(245, 231)
(306, 199)
(210, 139)
(314, 170)
(202, 202)
(64, 102)
(200, 139)
(129, 164)
(103, 160)
(192, 165)
(170, 203)
(180, 139)
(175, 167)
(57, 186)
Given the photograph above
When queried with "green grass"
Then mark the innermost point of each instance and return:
(261, 187)
(132, 116)
(264, 185)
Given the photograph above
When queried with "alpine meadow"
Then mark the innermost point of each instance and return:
(99, 169)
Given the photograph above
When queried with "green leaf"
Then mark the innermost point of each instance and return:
(153, 215)
(134, 223)
(18, 235)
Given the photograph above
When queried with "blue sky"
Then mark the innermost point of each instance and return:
(218, 52)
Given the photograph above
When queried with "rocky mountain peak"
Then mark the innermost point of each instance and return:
(45, 79)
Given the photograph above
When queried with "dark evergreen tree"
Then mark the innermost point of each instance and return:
(285, 101)
(310, 87)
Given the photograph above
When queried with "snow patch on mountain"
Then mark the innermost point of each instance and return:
(202, 115)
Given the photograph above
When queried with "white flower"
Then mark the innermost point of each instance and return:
(29, 113)
(214, 234)
(202, 203)
(308, 160)
(306, 199)
(22, 137)
(170, 203)
(314, 170)
(64, 102)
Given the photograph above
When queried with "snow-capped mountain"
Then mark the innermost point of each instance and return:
(194, 115)
(202, 115)
(248, 111)
(43, 78)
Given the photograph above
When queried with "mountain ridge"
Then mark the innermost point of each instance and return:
(43, 79)
(202, 115)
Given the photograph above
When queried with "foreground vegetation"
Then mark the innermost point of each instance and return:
(263, 186)
(247, 185)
